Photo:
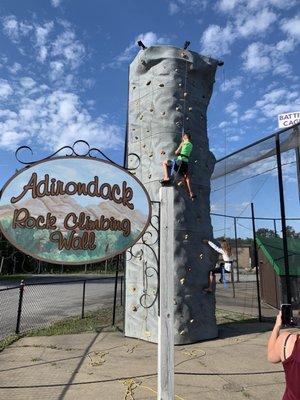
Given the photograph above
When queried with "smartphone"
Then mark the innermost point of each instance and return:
(286, 314)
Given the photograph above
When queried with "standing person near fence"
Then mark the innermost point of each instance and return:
(225, 251)
(285, 347)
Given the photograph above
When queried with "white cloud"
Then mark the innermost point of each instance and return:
(148, 38)
(260, 58)
(15, 68)
(233, 138)
(231, 108)
(68, 48)
(216, 41)
(53, 120)
(42, 33)
(230, 6)
(5, 89)
(249, 114)
(256, 58)
(255, 24)
(292, 27)
(187, 6)
(14, 29)
(173, 8)
(231, 84)
(27, 82)
(238, 94)
(224, 124)
(227, 5)
(278, 101)
(55, 3)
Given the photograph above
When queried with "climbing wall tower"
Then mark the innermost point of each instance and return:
(169, 91)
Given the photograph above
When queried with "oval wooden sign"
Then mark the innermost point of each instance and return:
(74, 210)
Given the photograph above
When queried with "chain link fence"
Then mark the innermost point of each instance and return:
(34, 305)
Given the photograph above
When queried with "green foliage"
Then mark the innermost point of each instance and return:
(37, 242)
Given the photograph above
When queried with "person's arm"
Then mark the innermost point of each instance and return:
(276, 341)
(178, 150)
(215, 247)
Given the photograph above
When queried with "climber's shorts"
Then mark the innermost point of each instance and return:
(181, 167)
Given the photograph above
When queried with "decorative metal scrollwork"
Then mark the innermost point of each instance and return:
(150, 242)
(72, 151)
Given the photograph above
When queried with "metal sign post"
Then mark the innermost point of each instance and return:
(166, 298)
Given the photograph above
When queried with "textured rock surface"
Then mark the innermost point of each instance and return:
(169, 90)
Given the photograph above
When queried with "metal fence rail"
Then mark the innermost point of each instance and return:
(35, 305)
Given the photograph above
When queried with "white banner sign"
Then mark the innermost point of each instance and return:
(288, 119)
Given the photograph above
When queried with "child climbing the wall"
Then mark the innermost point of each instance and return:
(225, 250)
(180, 164)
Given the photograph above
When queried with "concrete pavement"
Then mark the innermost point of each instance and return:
(107, 366)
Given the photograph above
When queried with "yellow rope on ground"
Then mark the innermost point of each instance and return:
(101, 358)
(155, 392)
(132, 385)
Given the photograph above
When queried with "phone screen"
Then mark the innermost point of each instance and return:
(286, 314)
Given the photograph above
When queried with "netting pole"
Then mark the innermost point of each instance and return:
(83, 299)
(21, 293)
(115, 293)
(275, 228)
(236, 252)
(256, 262)
(297, 152)
(283, 222)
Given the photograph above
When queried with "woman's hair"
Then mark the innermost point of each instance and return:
(226, 247)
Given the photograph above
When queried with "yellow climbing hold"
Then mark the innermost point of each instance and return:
(182, 280)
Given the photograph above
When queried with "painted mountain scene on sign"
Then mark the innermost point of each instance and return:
(75, 229)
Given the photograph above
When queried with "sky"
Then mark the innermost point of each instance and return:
(64, 68)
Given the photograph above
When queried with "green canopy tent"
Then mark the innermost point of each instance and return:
(272, 270)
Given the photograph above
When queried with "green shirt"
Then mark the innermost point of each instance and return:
(186, 150)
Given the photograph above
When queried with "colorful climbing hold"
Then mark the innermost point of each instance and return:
(191, 321)
(190, 108)
(185, 94)
(134, 308)
(182, 281)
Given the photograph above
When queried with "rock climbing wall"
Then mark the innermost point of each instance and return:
(169, 91)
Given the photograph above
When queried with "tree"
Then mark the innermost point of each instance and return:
(266, 232)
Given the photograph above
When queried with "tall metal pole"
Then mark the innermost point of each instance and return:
(256, 262)
(165, 357)
(275, 227)
(115, 292)
(297, 152)
(236, 251)
(283, 222)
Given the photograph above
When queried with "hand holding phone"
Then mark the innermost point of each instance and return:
(286, 314)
